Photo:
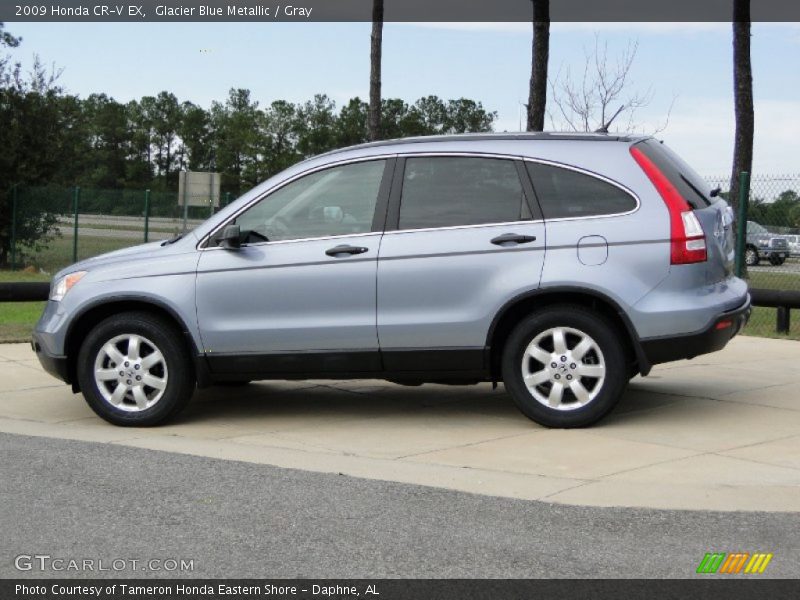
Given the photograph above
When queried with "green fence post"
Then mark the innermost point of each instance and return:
(185, 206)
(211, 201)
(14, 227)
(227, 198)
(741, 229)
(146, 215)
(75, 201)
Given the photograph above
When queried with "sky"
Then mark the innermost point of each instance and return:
(686, 66)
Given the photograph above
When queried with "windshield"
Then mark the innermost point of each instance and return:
(755, 228)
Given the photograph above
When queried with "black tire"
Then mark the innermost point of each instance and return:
(776, 261)
(751, 257)
(180, 382)
(605, 393)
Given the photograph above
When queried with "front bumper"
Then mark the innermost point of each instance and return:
(57, 366)
(715, 337)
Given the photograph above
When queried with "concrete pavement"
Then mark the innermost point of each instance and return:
(721, 432)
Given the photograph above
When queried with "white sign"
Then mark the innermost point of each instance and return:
(198, 188)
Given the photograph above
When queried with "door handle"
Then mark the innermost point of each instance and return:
(513, 238)
(337, 251)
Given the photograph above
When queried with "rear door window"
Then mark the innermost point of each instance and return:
(447, 191)
(564, 193)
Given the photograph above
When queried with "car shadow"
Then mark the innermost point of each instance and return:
(343, 400)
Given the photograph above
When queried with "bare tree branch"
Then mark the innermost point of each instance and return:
(603, 93)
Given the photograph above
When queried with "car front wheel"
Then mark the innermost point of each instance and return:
(134, 370)
(776, 261)
(565, 367)
(751, 257)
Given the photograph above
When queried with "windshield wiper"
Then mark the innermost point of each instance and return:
(694, 188)
(172, 240)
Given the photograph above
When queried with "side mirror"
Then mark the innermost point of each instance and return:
(231, 238)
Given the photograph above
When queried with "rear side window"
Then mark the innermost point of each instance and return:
(564, 193)
(443, 191)
(691, 186)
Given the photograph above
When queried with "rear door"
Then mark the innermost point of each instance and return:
(462, 239)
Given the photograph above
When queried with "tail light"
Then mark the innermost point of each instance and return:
(687, 238)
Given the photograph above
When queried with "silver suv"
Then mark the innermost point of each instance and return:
(561, 264)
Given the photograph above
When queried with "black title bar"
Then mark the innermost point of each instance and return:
(394, 10)
(709, 588)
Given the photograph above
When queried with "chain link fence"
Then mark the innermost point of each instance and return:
(50, 227)
(772, 242)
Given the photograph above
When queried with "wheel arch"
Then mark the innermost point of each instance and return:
(97, 311)
(519, 307)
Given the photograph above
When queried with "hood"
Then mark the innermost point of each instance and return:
(152, 250)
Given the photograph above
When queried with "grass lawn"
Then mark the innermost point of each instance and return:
(762, 321)
(137, 227)
(762, 324)
(58, 253)
(18, 318)
(773, 281)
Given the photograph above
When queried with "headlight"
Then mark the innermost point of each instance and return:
(65, 284)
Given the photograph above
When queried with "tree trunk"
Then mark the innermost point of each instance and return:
(376, 40)
(539, 58)
(743, 95)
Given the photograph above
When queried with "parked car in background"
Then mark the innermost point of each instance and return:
(560, 264)
(762, 244)
(794, 245)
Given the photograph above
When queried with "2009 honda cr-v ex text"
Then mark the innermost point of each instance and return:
(561, 264)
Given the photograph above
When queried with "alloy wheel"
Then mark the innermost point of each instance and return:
(131, 373)
(563, 368)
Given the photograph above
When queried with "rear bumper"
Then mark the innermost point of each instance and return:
(53, 364)
(722, 329)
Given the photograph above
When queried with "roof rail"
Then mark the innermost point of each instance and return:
(521, 136)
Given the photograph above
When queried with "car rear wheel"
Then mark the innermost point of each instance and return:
(565, 367)
(134, 369)
(751, 257)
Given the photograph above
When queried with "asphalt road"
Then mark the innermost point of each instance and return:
(80, 500)
(131, 228)
(122, 222)
(790, 267)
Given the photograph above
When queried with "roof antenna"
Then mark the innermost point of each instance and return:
(605, 126)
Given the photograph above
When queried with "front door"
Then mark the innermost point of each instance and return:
(299, 295)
